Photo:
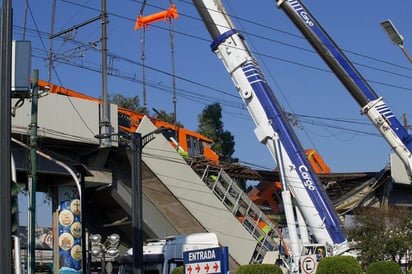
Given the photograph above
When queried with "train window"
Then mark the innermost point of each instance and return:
(123, 120)
(194, 146)
(189, 145)
(201, 147)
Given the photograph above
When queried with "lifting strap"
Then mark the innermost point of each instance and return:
(143, 22)
(172, 54)
(143, 57)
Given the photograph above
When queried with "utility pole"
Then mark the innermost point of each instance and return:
(5, 133)
(105, 118)
(33, 175)
(136, 147)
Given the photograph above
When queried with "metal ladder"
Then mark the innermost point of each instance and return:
(266, 232)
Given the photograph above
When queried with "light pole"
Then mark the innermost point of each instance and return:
(137, 143)
(109, 247)
(5, 132)
(395, 36)
(82, 173)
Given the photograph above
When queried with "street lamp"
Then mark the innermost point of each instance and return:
(109, 247)
(82, 173)
(395, 36)
(137, 143)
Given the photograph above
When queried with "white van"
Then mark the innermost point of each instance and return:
(162, 256)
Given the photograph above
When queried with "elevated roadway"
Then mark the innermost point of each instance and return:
(176, 200)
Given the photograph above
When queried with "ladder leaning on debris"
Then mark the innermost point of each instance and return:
(263, 229)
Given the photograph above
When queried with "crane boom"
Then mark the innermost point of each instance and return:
(373, 106)
(272, 126)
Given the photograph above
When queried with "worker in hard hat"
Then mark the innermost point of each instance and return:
(319, 253)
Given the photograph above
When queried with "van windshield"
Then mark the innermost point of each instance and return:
(153, 264)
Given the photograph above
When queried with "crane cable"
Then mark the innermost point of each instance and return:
(172, 54)
(143, 57)
(144, 22)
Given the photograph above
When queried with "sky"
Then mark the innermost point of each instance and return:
(326, 117)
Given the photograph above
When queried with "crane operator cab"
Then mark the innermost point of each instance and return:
(319, 250)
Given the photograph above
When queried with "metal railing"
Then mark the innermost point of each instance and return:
(266, 232)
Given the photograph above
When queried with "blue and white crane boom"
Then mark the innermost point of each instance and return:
(372, 105)
(272, 127)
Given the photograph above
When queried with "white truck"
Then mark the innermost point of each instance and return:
(161, 256)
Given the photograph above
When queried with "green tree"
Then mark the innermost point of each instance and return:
(167, 117)
(178, 270)
(211, 126)
(384, 267)
(130, 103)
(259, 268)
(339, 265)
(382, 234)
(133, 103)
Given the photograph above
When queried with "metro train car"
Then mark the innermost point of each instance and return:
(189, 144)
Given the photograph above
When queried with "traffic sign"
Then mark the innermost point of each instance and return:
(203, 268)
(309, 264)
(206, 261)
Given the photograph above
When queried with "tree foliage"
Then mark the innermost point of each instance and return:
(167, 117)
(339, 264)
(382, 234)
(211, 126)
(130, 103)
(133, 103)
(178, 270)
(384, 267)
(164, 116)
(259, 268)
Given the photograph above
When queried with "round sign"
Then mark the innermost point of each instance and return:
(66, 217)
(75, 206)
(66, 241)
(308, 265)
(76, 230)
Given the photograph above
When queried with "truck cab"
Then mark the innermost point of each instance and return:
(320, 251)
(161, 256)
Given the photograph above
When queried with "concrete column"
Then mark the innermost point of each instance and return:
(69, 230)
